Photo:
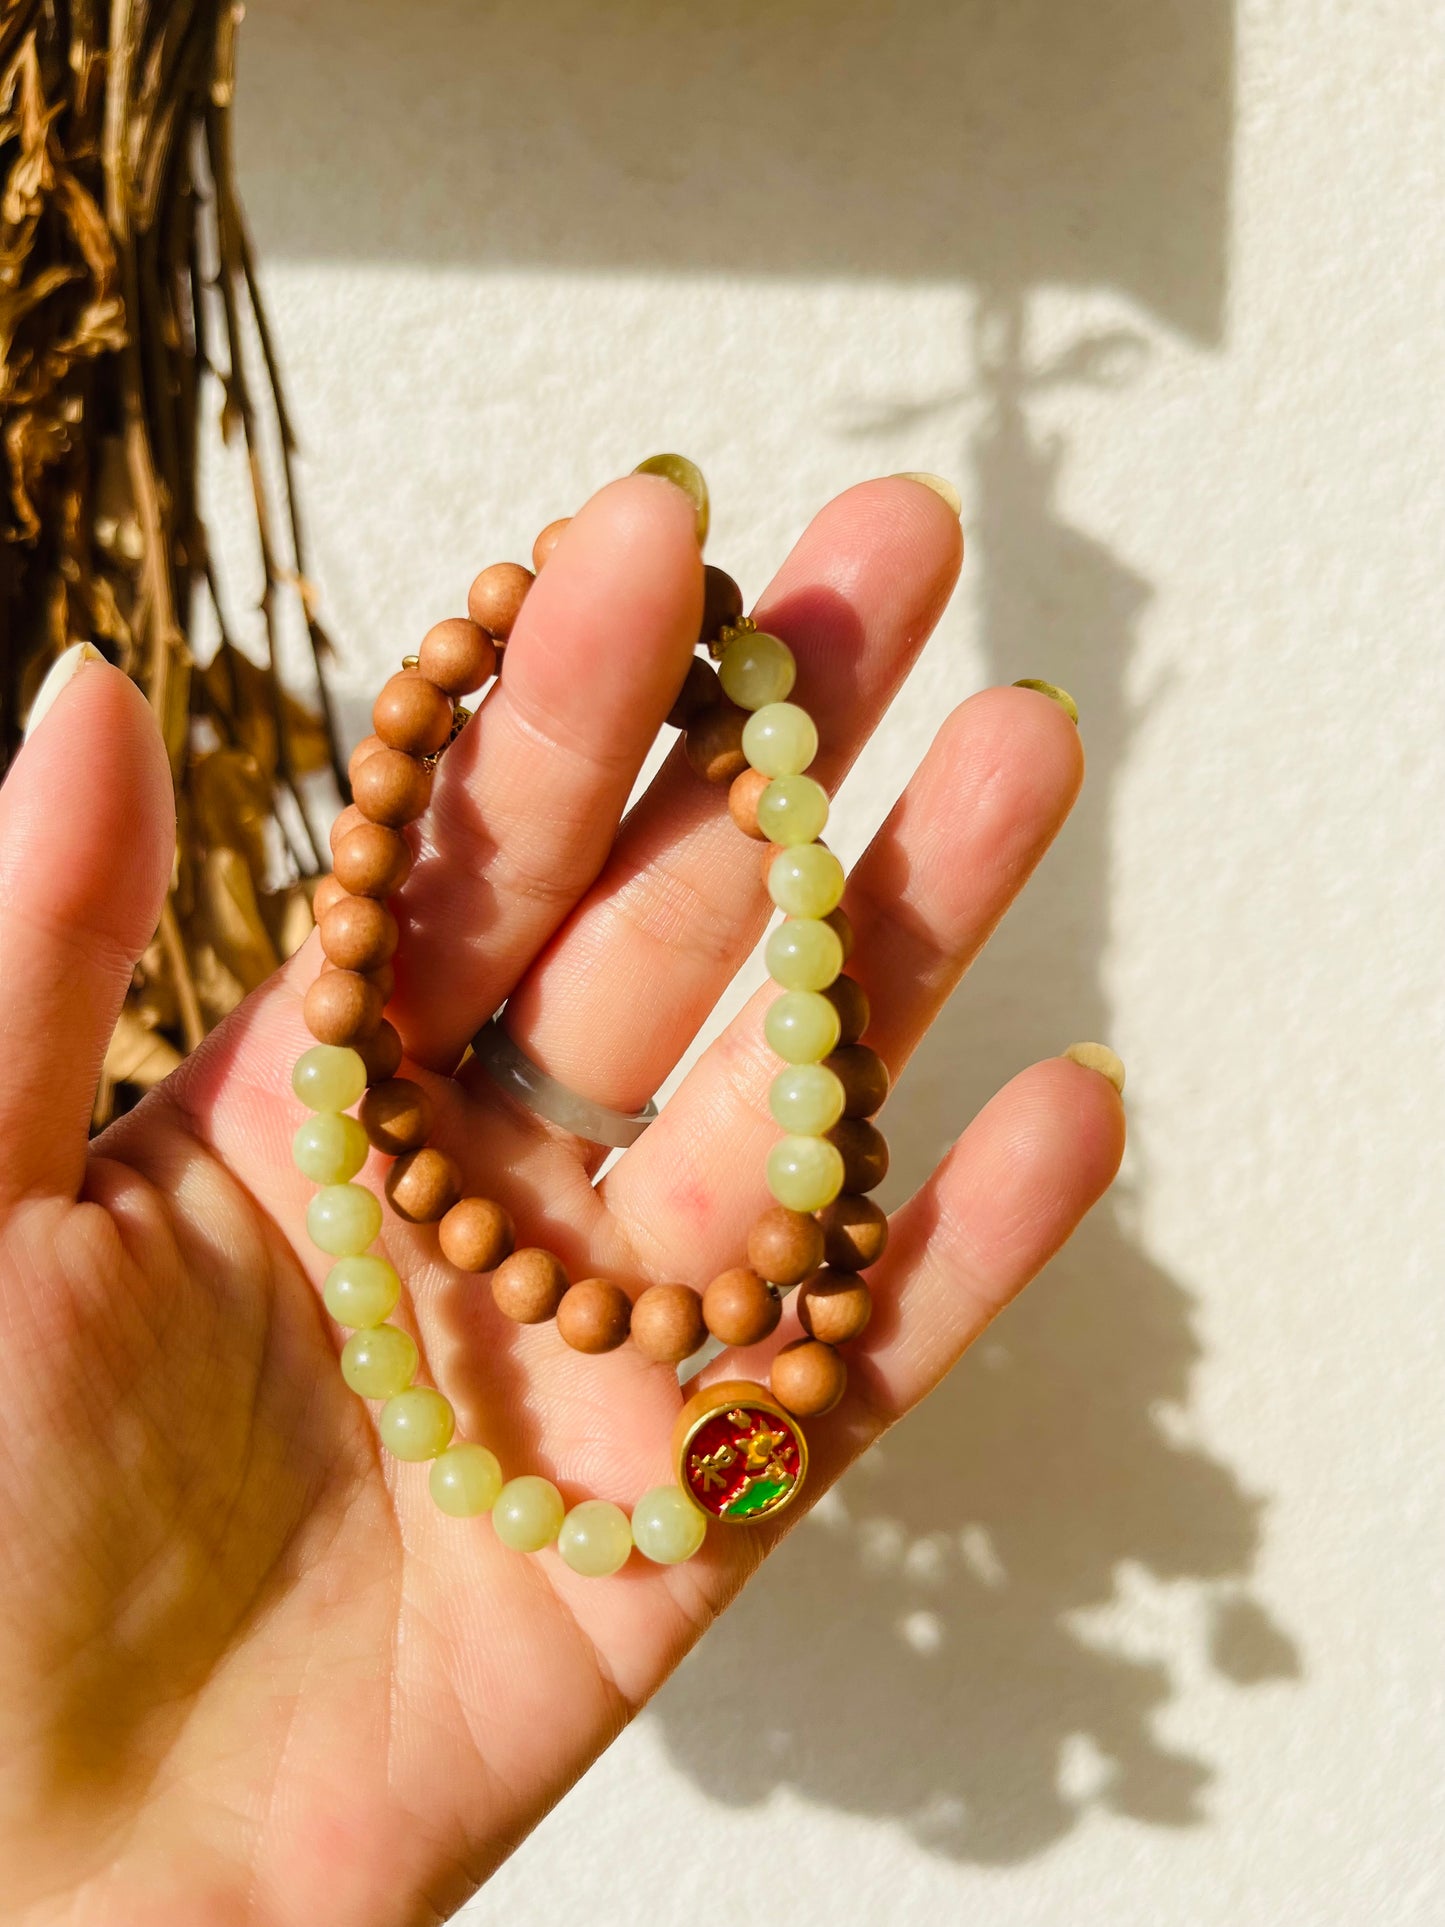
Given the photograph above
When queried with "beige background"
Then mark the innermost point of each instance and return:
(1139, 1621)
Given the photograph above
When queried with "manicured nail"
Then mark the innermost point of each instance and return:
(1098, 1057)
(66, 667)
(940, 485)
(1054, 694)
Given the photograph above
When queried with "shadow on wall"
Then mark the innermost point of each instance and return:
(921, 1649)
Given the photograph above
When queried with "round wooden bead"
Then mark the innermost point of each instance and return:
(835, 1306)
(864, 1077)
(865, 1153)
(547, 541)
(700, 687)
(784, 1246)
(346, 821)
(342, 1008)
(850, 1000)
(842, 924)
(808, 1378)
(457, 655)
(495, 599)
(714, 742)
(667, 1323)
(722, 602)
(358, 934)
(396, 1115)
(594, 1315)
(367, 747)
(391, 788)
(382, 975)
(381, 1053)
(412, 715)
(476, 1235)
(739, 1308)
(328, 891)
(743, 794)
(528, 1286)
(423, 1185)
(372, 861)
(855, 1232)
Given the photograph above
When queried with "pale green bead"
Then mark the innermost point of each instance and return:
(802, 1026)
(329, 1147)
(343, 1218)
(804, 954)
(806, 1099)
(328, 1077)
(380, 1363)
(528, 1513)
(596, 1538)
(756, 669)
(688, 477)
(793, 809)
(417, 1423)
(666, 1526)
(465, 1480)
(362, 1290)
(805, 1173)
(780, 740)
(806, 881)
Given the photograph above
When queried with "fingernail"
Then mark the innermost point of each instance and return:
(1054, 694)
(66, 667)
(940, 485)
(1098, 1057)
(687, 476)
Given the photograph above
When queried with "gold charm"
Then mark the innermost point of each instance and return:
(739, 1455)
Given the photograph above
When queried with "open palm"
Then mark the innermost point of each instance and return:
(247, 1670)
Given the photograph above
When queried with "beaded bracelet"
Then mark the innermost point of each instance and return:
(739, 1451)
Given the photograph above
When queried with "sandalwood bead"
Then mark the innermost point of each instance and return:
(330, 890)
(457, 655)
(547, 541)
(367, 747)
(700, 688)
(381, 1053)
(411, 714)
(808, 1378)
(383, 976)
(342, 1008)
(784, 1246)
(528, 1286)
(722, 602)
(372, 861)
(835, 1306)
(743, 794)
(739, 1308)
(346, 821)
(359, 934)
(864, 1077)
(667, 1323)
(865, 1153)
(850, 1000)
(396, 1115)
(594, 1315)
(391, 788)
(495, 599)
(477, 1234)
(423, 1185)
(714, 742)
(855, 1232)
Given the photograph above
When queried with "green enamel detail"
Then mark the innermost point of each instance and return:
(758, 1497)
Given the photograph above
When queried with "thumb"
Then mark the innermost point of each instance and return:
(87, 839)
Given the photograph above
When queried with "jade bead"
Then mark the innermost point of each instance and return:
(804, 954)
(756, 669)
(329, 1147)
(528, 1513)
(793, 809)
(329, 1077)
(596, 1538)
(805, 1173)
(807, 1099)
(666, 1526)
(465, 1480)
(380, 1363)
(417, 1423)
(806, 881)
(344, 1218)
(780, 740)
(802, 1026)
(361, 1291)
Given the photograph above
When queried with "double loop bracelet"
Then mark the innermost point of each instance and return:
(739, 1450)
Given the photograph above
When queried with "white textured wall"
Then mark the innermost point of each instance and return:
(1140, 1620)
